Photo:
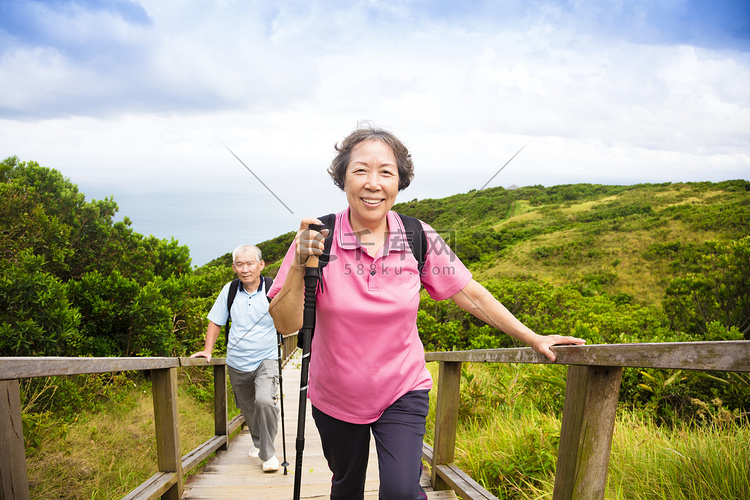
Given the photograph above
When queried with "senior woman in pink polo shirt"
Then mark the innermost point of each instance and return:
(367, 368)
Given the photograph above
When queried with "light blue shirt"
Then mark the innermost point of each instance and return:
(252, 335)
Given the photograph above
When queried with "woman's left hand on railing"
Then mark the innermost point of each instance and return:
(544, 342)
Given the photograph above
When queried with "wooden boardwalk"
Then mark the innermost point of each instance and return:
(232, 474)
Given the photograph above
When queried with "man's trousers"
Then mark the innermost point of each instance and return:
(255, 394)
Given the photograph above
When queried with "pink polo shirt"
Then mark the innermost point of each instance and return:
(366, 351)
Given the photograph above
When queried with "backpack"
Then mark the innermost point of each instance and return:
(230, 300)
(415, 235)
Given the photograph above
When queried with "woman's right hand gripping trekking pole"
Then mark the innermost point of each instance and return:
(286, 307)
(308, 242)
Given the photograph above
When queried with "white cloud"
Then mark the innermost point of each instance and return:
(141, 103)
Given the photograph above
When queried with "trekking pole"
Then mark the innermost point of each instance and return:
(312, 275)
(284, 464)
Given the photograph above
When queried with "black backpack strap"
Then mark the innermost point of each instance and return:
(269, 284)
(329, 221)
(417, 239)
(230, 300)
(415, 236)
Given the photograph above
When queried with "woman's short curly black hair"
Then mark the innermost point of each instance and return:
(337, 170)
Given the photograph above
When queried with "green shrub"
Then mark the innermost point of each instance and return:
(36, 317)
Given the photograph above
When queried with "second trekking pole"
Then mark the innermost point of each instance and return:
(312, 276)
(285, 464)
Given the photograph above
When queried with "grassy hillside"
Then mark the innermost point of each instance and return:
(615, 239)
(618, 239)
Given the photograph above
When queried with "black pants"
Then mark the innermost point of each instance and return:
(398, 433)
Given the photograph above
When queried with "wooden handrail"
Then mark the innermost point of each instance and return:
(593, 380)
(591, 395)
(730, 355)
(168, 482)
(31, 367)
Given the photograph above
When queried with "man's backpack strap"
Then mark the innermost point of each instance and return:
(269, 284)
(233, 287)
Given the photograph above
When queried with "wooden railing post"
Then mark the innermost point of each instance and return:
(446, 419)
(589, 410)
(220, 403)
(14, 481)
(289, 345)
(164, 389)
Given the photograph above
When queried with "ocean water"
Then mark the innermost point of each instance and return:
(209, 223)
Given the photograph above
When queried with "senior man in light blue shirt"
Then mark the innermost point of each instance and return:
(252, 351)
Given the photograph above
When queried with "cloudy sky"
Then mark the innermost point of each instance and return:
(141, 100)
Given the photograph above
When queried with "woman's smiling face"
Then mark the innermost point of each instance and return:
(371, 183)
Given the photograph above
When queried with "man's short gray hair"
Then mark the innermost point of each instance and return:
(246, 248)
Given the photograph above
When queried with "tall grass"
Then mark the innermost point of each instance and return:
(108, 451)
(690, 462)
(509, 444)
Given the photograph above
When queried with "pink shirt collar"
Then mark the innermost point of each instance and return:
(347, 238)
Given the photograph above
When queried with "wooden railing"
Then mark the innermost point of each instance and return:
(591, 395)
(168, 482)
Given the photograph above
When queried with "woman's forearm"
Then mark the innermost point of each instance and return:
(287, 306)
(475, 299)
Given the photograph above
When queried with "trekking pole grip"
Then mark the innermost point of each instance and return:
(312, 261)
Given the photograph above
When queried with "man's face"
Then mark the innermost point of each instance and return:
(248, 267)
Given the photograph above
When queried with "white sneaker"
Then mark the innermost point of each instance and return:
(271, 465)
(254, 452)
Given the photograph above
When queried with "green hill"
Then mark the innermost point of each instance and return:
(625, 239)
(616, 239)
